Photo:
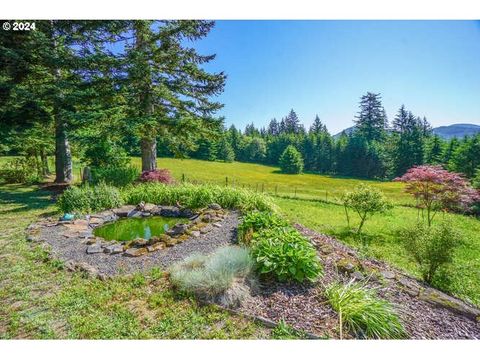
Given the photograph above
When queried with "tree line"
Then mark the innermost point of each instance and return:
(374, 148)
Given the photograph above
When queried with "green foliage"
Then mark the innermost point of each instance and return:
(283, 331)
(363, 313)
(365, 201)
(285, 254)
(225, 151)
(291, 161)
(476, 179)
(20, 170)
(209, 276)
(105, 155)
(198, 196)
(115, 176)
(431, 247)
(85, 199)
(255, 221)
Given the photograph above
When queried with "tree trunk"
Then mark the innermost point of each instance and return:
(149, 154)
(63, 156)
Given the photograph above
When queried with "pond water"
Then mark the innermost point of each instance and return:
(133, 228)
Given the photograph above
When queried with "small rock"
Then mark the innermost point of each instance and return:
(178, 229)
(124, 210)
(205, 229)
(357, 275)
(141, 206)
(326, 249)
(195, 234)
(30, 238)
(388, 274)
(156, 247)
(145, 214)
(139, 242)
(70, 265)
(149, 207)
(134, 252)
(91, 241)
(214, 206)
(217, 225)
(113, 249)
(135, 214)
(169, 211)
(347, 266)
(186, 213)
(94, 249)
(88, 269)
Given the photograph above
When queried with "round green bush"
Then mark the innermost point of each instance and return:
(291, 161)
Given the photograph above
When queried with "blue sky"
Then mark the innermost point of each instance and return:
(323, 67)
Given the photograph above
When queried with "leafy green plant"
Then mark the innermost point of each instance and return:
(432, 247)
(361, 312)
(285, 254)
(365, 201)
(198, 196)
(257, 220)
(20, 170)
(283, 331)
(209, 277)
(115, 176)
(84, 199)
(291, 161)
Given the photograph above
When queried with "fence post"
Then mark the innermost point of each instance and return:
(226, 180)
(183, 177)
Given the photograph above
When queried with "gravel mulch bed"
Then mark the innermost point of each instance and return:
(66, 248)
(304, 307)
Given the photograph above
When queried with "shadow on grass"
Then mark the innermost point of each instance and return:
(15, 198)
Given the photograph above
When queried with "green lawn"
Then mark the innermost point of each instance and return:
(38, 299)
(254, 176)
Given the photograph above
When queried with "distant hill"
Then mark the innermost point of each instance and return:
(445, 132)
(456, 130)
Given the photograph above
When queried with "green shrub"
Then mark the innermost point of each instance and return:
(285, 254)
(283, 331)
(198, 196)
(115, 176)
(255, 221)
(21, 171)
(85, 199)
(208, 277)
(432, 247)
(291, 161)
(361, 312)
(365, 201)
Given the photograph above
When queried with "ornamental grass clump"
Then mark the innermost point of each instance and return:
(198, 196)
(362, 313)
(220, 277)
(283, 253)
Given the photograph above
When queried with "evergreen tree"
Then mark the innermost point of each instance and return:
(371, 120)
(292, 123)
(434, 152)
(466, 157)
(225, 150)
(235, 138)
(167, 89)
(291, 161)
(273, 128)
(317, 126)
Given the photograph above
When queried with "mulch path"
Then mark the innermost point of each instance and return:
(304, 308)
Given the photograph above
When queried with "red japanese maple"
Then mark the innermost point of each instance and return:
(159, 175)
(435, 189)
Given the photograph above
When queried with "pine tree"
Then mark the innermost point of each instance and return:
(371, 120)
(292, 123)
(291, 161)
(225, 151)
(167, 89)
(273, 128)
(434, 151)
(317, 126)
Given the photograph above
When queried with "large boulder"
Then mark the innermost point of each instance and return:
(124, 210)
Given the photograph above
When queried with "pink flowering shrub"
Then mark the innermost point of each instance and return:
(160, 175)
(435, 188)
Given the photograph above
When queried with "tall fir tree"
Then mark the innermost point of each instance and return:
(371, 120)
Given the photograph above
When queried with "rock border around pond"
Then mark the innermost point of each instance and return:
(75, 244)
